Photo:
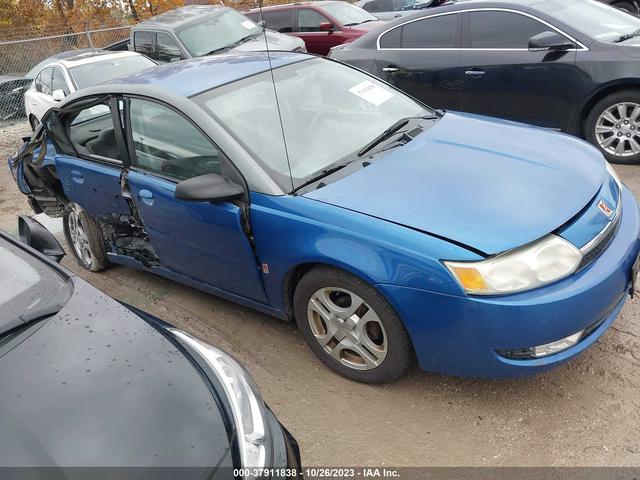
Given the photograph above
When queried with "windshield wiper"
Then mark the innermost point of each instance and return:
(388, 133)
(626, 37)
(233, 45)
(324, 173)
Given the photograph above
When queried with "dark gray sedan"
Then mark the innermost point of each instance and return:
(88, 382)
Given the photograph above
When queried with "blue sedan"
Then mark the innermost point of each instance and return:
(389, 231)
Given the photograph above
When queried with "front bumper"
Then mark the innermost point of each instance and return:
(461, 335)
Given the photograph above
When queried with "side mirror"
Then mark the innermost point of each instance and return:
(210, 187)
(549, 40)
(325, 27)
(58, 95)
(34, 234)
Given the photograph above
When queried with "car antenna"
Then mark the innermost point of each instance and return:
(275, 92)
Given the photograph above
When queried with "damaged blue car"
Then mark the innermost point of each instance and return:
(314, 192)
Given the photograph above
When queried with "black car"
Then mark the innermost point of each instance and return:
(89, 382)
(571, 65)
(631, 6)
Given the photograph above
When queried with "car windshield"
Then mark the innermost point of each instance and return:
(329, 113)
(107, 69)
(592, 18)
(348, 14)
(29, 288)
(216, 32)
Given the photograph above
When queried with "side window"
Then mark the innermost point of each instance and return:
(502, 30)
(59, 82)
(43, 81)
(279, 20)
(167, 143)
(392, 38)
(434, 32)
(310, 20)
(167, 50)
(91, 132)
(143, 42)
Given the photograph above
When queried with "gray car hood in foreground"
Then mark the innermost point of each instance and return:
(96, 385)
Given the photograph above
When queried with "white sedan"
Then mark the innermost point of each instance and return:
(63, 77)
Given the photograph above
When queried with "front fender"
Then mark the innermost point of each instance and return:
(290, 231)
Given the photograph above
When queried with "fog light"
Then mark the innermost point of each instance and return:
(557, 346)
(543, 350)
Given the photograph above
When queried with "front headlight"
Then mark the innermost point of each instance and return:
(532, 266)
(244, 397)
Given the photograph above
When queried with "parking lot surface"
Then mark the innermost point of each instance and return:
(585, 413)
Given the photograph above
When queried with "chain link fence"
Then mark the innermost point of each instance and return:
(19, 59)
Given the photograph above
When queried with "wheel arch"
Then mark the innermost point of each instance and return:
(602, 92)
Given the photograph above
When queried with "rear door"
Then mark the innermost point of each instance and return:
(41, 99)
(422, 57)
(91, 156)
(503, 78)
(200, 240)
(281, 20)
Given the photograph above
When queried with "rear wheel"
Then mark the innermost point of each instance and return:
(351, 327)
(34, 122)
(84, 237)
(613, 125)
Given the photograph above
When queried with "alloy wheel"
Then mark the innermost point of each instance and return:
(79, 238)
(618, 129)
(347, 328)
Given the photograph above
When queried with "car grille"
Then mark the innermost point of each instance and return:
(596, 250)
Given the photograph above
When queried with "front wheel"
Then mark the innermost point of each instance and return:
(351, 327)
(84, 237)
(613, 125)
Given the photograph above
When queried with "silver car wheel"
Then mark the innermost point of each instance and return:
(617, 129)
(79, 239)
(347, 328)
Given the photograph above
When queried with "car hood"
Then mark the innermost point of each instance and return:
(96, 385)
(277, 41)
(631, 47)
(489, 184)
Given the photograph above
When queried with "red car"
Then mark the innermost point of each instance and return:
(321, 25)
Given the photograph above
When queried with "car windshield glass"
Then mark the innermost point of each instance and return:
(592, 18)
(107, 69)
(29, 288)
(218, 31)
(329, 113)
(348, 14)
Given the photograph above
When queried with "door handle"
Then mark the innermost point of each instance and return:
(475, 73)
(77, 176)
(390, 69)
(146, 196)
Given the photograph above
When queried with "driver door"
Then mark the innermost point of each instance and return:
(200, 240)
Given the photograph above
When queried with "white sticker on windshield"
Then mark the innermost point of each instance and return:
(248, 24)
(371, 92)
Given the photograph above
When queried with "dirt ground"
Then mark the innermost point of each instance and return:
(586, 413)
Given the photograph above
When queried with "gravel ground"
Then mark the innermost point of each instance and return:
(586, 413)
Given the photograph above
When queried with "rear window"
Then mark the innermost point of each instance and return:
(93, 73)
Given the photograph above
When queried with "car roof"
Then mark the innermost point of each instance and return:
(196, 75)
(94, 57)
(317, 3)
(179, 17)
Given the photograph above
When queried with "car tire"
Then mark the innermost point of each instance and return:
(84, 237)
(618, 132)
(34, 122)
(325, 301)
